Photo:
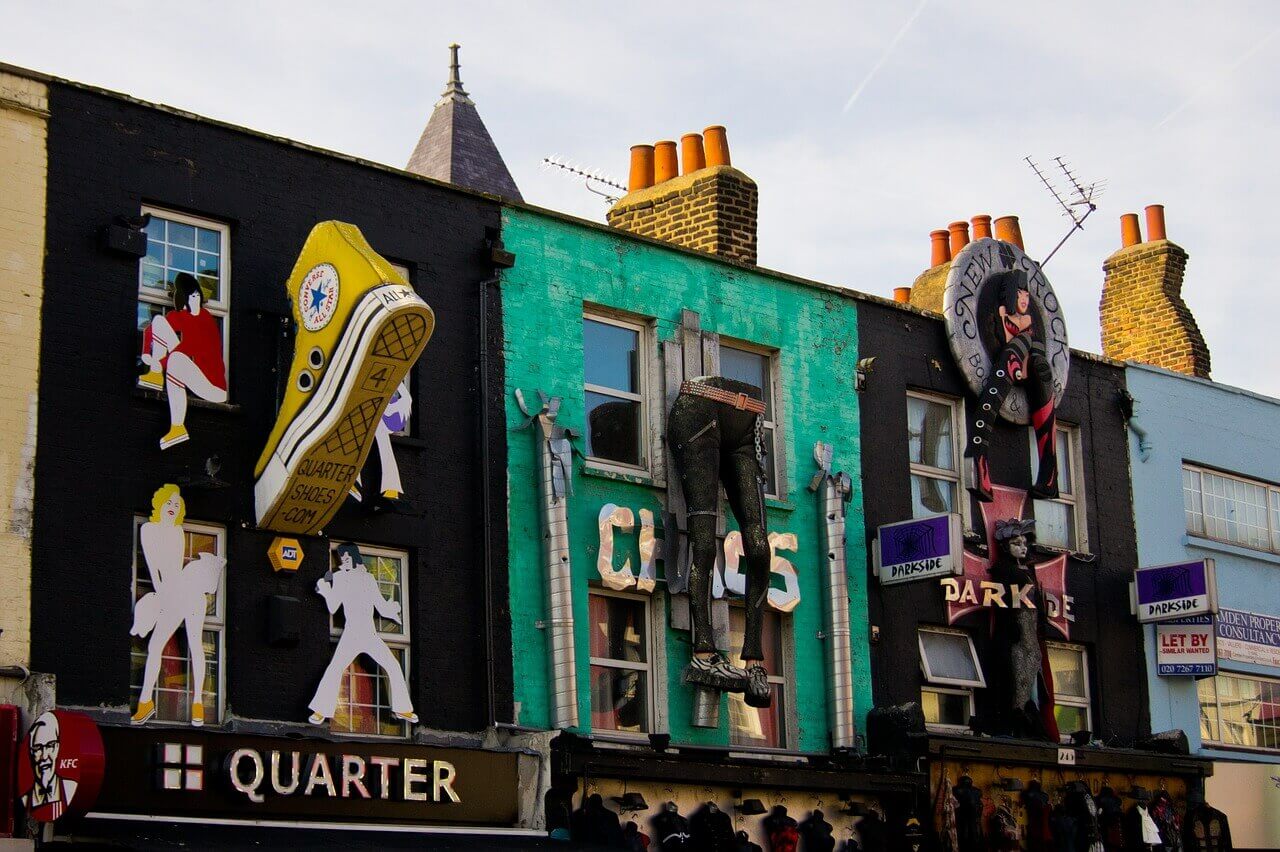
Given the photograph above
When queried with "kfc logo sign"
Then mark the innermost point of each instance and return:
(63, 765)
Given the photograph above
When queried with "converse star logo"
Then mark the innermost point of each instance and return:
(318, 296)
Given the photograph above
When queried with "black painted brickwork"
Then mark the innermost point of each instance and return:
(912, 354)
(98, 460)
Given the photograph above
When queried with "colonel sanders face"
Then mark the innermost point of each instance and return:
(44, 750)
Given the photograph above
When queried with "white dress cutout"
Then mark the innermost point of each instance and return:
(179, 599)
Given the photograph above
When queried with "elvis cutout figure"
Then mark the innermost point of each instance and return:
(1021, 360)
(714, 430)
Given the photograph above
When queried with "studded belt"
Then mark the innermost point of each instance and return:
(740, 401)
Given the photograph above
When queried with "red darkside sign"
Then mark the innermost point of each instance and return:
(60, 765)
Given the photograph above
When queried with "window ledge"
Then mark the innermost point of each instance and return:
(192, 400)
(1234, 549)
(638, 477)
(779, 504)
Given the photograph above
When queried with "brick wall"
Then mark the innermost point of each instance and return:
(23, 165)
(711, 210)
(1143, 315)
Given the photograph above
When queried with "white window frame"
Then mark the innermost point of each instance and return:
(773, 366)
(958, 428)
(1217, 698)
(397, 642)
(980, 683)
(220, 307)
(1085, 703)
(643, 359)
(1075, 502)
(1271, 512)
(786, 659)
(648, 667)
(215, 623)
(950, 690)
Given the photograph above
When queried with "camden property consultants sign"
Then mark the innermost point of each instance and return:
(1186, 648)
(1248, 637)
(1168, 592)
(919, 549)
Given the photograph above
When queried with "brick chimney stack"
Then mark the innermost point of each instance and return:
(1142, 312)
(710, 206)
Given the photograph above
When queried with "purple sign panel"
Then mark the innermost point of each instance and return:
(1167, 592)
(919, 549)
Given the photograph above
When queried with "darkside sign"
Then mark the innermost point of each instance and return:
(197, 773)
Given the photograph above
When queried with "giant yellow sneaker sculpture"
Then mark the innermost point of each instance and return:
(360, 328)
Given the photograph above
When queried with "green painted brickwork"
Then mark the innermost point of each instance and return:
(559, 267)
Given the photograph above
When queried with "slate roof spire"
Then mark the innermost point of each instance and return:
(456, 147)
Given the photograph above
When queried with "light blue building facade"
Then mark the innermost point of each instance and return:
(1205, 462)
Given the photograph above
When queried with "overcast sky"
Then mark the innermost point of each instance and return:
(866, 124)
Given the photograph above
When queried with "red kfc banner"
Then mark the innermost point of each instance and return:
(60, 765)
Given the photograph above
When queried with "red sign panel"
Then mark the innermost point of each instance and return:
(60, 765)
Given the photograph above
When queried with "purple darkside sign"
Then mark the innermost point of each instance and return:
(1165, 592)
(918, 549)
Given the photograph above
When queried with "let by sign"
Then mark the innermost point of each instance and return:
(1169, 592)
(1186, 647)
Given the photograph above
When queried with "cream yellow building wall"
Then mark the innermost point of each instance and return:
(24, 106)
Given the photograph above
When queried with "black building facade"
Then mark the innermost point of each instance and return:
(235, 208)
(913, 440)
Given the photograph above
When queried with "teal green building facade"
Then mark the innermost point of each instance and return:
(566, 269)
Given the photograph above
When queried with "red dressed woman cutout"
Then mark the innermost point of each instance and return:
(183, 351)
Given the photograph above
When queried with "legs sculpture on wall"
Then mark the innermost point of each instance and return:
(714, 431)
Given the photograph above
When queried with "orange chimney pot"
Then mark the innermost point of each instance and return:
(692, 157)
(941, 249)
(641, 168)
(665, 166)
(1008, 229)
(981, 227)
(1130, 233)
(902, 295)
(959, 236)
(717, 145)
(1155, 223)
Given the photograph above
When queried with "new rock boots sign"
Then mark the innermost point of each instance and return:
(1006, 330)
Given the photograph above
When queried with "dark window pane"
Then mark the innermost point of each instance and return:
(758, 727)
(929, 433)
(209, 240)
(609, 356)
(617, 629)
(931, 496)
(948, 655)
(182, 235)
(613, 429)
(619, 700)
(769, 461)
(749, 367)
(944, 708)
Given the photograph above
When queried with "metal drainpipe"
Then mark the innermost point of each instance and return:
(555, 538)
(836, 490)
(486, 501)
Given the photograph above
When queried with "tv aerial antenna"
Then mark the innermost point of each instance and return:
(590, 178)
(1077, 201)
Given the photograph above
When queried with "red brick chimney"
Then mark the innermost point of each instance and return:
(1142, 313)
(708, 206)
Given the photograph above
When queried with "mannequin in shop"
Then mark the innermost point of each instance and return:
(783, 831)
(817, 833)
(968, 815)
(712, 829)
(672, 830)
